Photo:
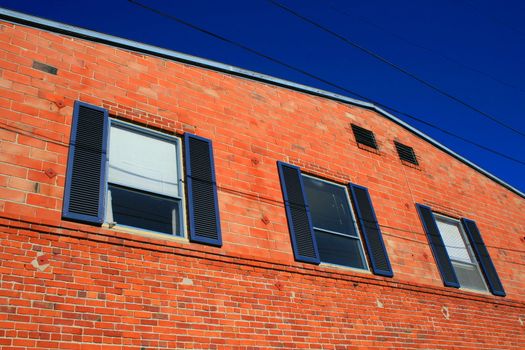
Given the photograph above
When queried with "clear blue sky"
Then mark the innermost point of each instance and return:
(474, 50)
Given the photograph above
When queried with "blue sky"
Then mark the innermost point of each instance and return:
(474, 50)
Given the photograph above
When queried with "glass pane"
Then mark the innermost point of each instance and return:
(145, 210)
(469, 276)
(329, 206)
(340, 250)
(453, 239)
(144, 162)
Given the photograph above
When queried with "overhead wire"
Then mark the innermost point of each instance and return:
(43, 138)
(242, 46)
(395, 66)
(503, 155)
(315, 77)
(423, 47)
(17, 130)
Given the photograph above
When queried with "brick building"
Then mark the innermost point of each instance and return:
(150, 199)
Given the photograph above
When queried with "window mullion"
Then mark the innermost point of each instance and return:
(335, 233)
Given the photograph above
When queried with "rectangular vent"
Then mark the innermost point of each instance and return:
(364, 136)
(45, 67)
(406, 153)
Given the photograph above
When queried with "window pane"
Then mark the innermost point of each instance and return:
(143, 162)
(340, 250)
(329, 206)
(453, 239)
(469, 276)
(144, 210)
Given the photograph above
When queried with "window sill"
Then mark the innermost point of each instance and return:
(146, 233)
(345, 268)
(476, 291)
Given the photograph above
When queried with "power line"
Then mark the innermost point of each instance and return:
(244, 47)
(456, 136)
(395, 66)
(420, 46)
(324, 81)
(17, 130)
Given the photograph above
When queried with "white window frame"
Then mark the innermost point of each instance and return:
(354, 221)
(470, 252)
(181, 198)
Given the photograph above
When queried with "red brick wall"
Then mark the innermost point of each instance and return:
(63, 284)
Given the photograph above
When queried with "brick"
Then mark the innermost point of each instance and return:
(16, 77)
(12, 195)
(14, 149)
(110, 288)
(7, 135)
(21, 184)
(32, 141)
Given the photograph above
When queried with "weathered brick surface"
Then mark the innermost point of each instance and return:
(73, 286)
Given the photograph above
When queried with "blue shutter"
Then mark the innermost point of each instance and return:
(482, 254)
(203, 207)
(438, 247)
(84, 194)
(370, 229)
(298, 215)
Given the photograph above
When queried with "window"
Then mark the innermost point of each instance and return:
(144, 180)
(460, 253)
(132, 176)
(322, 224)
(334, 225)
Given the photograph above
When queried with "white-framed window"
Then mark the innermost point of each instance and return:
(460, 253)
(336, 233)
(144, 183)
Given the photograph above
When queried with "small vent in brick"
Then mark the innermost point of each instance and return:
(45, 67)
(406, 153)
(364, 136)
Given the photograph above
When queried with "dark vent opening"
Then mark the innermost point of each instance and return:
(45, 67)
(364, 136)
(406, 153)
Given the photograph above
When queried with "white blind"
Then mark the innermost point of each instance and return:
(143, 162)
(453, 240)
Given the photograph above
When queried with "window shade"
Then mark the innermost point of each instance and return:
(453, 241)
(143, 162)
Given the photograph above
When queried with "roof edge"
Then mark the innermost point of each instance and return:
(82, 33)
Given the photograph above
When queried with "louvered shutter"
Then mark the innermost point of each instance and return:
(298, 215)
(84, 194)
(203, 208)
(482, 254)
(371, 232)
(438, 247)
